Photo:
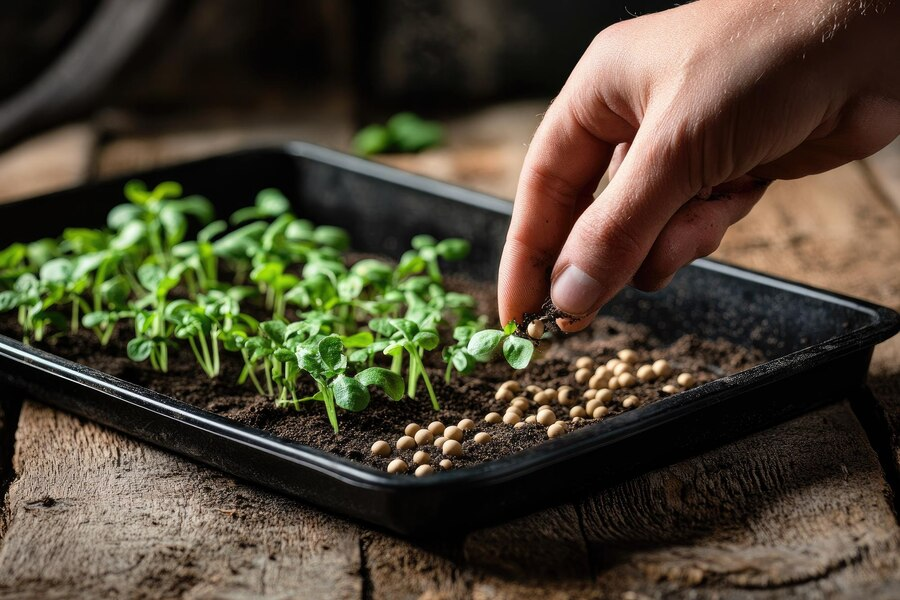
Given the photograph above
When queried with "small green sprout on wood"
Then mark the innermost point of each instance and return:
(404, 132)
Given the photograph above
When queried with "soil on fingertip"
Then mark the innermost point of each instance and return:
(465, 397)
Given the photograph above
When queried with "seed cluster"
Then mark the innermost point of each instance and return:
(597, 388)
(431, 447)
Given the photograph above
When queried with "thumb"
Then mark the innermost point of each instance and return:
(613, 236)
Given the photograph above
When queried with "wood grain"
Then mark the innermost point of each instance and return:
(99, 513)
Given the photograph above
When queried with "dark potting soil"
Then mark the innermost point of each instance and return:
(465, 397)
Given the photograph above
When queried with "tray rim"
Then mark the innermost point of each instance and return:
(884, 323)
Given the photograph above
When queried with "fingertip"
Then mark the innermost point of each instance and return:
(568, 325)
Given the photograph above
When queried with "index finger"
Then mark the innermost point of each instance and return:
(562, 169)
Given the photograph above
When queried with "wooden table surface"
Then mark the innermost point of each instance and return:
(807, 508)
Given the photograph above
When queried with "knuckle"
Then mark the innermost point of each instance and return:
(549, 186)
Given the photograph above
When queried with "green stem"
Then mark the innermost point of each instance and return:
(434, 402)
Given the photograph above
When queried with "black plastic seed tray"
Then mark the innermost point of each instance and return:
(819, 345)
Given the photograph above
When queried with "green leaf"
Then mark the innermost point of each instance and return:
(58, 270)
(411, 133)
(150, 276)
(453, 248)
(360, 339)
(390, 382)
(331, 352)
(132, 234)
(350, 394)
(8, 300)
(483, 344)
(274, 330)
(95, 319)
(422, 241)
(333, 237)
(136, 192)
(510, 328)
(427, 339)
(271, 202)
(122, 215)
(406, 327)
(12, 256)
(518, 351)
(41, 251)
(139, 349)
(372, 139)
(463, 361)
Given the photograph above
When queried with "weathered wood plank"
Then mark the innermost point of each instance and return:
(93, 513)
(54, 160)
(801, 506)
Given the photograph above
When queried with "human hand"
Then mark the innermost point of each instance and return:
(692, 110)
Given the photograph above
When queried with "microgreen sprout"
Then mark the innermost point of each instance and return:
(485, 345)
(274, 291)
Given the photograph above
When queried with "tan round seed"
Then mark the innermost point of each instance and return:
(536, 330)
(511, 418)
(519, 425)
(452, 448)
(543, 398)
(531, 419)
(466, 424)
(603, 372)
(662, 368)
(584, 362)
(421, 457)
(398, 465)
(381, 448)
(515, 410)
(552, 393)
(423, 436)
(630, 402)
(592, 405)
(521, 403)
(613, 383)
(555, 430)
(566, 396)
(611, 363)
(622, 367)
(577, 411)
(645, 373)
(545, 409)
(492, 417)
(670, 389)
(503, 395)
(627, 355)
(533, 389)
(436, 428)
(582, 375)
(605, 396)
(600, 412)
(439, 443)
(627, 380)
(546, 417)
(482, 437)
(577, 419)
(512, 385)
(453, 433)
(686, 380)
(411, 429)
(446, 464)
(598, 382)
(589, 394)
(424, 470)
(406, 443)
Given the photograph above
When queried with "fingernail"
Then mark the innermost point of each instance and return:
(574, 291)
